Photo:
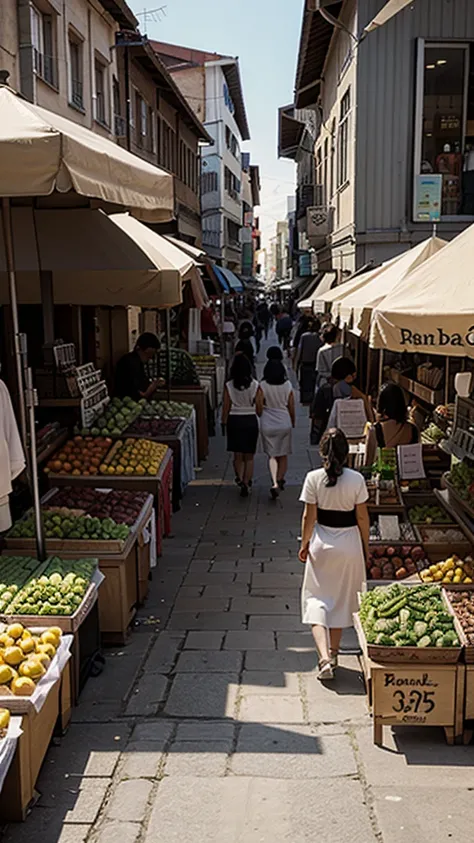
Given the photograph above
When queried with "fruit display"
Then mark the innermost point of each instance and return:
(406, 533)
(124, 506)
(461, 477)
(395, 561)
(446, 411)
(463, 605)
(117, 415)
(58, 590)
(167, 410)
(453, 571)
(442, 535)
(400, 616)
(25, 656)
(154, 428)
(422, 485)
(74, 497)
(135, 457)
(4, 722)
(80, 456)
(64, 524)
(428, 515)
(432, 435)
(382, 492)
(15, 571)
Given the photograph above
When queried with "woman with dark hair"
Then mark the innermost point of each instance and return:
(392, 427)
(274, 353)
(276, 408)
(335, 535)
(239, 414)
(331, 349)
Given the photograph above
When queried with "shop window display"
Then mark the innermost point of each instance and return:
(445, 110)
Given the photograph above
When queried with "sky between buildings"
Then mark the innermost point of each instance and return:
(264, 34)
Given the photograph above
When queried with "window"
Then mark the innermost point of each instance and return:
(326, 197)
(233, 233)
(209, 183)
(119, 121)
(43, 40)
(319, 166)
(152, 130)
(231, 184)
(343, 150)
(444, 131)
(75, 72)
(100, 77)
(141, 121)
(333, 155)
(231, 142)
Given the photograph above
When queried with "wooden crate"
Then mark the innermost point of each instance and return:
(19, 786)
(196, 396)
(418, 695)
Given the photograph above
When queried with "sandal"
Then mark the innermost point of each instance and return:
(281, 484)
(274, 492)
(326, 670)
(334, 659)
(244, 490)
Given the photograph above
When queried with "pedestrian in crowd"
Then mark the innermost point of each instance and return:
(276, 408)
(283, 329)
(265, 317)
(340, 385)
(334, 544)
(331, 349)
(274, 310)
(258, 330)
(305, 360)
(209, 326)
(245, 344)
(392, 427)
(240, 417)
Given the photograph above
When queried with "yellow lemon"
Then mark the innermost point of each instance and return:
(23, 686)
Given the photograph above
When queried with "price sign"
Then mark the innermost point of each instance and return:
(349, 415)
(423, 695)
(410, 462)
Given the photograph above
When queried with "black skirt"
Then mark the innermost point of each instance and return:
(242, 434)
(307, 382)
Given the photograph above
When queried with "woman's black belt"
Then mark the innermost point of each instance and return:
(337, 517)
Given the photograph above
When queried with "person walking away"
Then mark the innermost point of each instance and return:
(240, 417)
(305, 360)
(264, 316)
(334, 544)
(276, 408)
(258, 330)
(331, 349)
(392, 427)
(283, 329)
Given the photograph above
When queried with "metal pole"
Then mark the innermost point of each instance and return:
(369, 364)
(168, 352)
(31, 402)
(446, 382)
(381, 354)
(8, 237)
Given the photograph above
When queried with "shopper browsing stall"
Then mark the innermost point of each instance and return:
(131, 378)
(331, 349)
(340, 386)
(392, 427)
(335, 537)
(305, 360)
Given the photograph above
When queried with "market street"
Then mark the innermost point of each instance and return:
(210, 725)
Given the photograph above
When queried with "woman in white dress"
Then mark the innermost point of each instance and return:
(335, 536)
(276, 408)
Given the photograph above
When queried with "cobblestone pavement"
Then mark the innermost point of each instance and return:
(210, 725)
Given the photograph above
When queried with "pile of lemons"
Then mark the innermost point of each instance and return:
(453, 571)
(25, 657)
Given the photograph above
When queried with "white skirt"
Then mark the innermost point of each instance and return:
(275, 430)
(334, 573)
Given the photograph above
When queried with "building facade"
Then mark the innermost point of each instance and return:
(250, 233)
(395, 135)
(212, 85)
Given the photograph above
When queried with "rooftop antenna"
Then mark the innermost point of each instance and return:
(151, 16)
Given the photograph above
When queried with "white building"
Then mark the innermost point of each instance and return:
(213, 87)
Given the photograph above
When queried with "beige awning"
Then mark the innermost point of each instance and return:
(336, 294)
(94, 259)
(360, 304)
(315, 300)
(41, 152)
(185, 262)
(431, 310)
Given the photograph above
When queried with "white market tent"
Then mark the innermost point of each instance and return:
(360, 303)
(336, 294)
(432, 309)
(41, 152)
(314, 301)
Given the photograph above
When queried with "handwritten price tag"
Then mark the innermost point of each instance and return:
(415, 695)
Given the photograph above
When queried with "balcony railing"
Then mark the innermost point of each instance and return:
(77, 93)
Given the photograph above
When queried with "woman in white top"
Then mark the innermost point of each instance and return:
(239, 414)
(276, 408)
(335, 535)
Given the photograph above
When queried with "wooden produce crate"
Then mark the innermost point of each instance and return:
(418, 695)
(196, 396)
(469, 703)
(150, 485)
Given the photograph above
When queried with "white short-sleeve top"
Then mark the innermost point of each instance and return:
(349, 490)
(242, 400)
(276, 395)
